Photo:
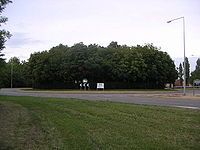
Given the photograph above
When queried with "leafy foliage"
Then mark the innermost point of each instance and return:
(3, 36)
(195, 74)
(20, 76)
(187, 70)
(3, 33)
(180, 73)
(198, 64)
(118, 66)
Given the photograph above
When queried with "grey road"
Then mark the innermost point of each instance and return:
(160, 99)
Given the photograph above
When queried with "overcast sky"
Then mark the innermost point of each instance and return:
(38, 25)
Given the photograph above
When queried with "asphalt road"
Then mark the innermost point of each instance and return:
(160, 99)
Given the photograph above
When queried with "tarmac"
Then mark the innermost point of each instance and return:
(158, 98)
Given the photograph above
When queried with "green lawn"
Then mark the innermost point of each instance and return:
(50, 123)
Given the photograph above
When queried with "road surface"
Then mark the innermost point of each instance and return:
(159, 99)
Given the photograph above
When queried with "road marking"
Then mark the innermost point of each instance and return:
(190, 107)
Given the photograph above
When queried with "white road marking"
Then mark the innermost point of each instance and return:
(190, 107)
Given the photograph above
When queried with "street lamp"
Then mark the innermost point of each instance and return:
(11, 75)
(184, 84)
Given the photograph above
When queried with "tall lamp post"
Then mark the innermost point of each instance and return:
(11, 75)
(184, 83)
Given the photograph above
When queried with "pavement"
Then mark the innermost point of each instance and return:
(158, 98)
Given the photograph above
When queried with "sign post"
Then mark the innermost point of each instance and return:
(85, 81)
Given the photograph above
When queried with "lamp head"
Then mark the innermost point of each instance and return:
(169, 21)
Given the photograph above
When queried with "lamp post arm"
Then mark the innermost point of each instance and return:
(175, 19)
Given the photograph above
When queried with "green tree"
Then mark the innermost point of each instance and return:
(3, 33)
(4, 75)
(49, 69)
(187, 68)
(113, 45)
(77, 58)
(180, 73)
(128, 64)
(159, 70)
(39, 68)
(115, 65)
(18, 71)
(196, 73)
(198, 64)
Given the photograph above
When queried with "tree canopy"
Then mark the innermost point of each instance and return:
(16, 71)
(180, 73)
(187, 70)
(118, 66)
(3, 37)
(3, 33)
(196, 73)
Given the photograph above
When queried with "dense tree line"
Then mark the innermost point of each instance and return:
(181, 71)
(15, 74)
(196, 73)
(118, 66)
(4, 35)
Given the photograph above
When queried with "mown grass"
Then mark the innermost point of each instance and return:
(50, 123)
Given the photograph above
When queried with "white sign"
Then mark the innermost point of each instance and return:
(100, 85)
(85, 80)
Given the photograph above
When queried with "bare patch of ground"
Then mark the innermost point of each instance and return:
(98, 92)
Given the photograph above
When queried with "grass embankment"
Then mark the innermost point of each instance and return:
(50, 123)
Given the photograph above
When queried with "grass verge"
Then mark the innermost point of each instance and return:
(52, 123)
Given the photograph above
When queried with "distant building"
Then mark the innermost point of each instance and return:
(178, 82)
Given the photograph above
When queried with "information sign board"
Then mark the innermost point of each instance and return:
(100, 85)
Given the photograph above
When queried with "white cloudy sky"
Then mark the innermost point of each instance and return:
(38, 25)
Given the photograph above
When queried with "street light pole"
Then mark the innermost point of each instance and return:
(11, 75)
(184, 93)
(184, 83)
